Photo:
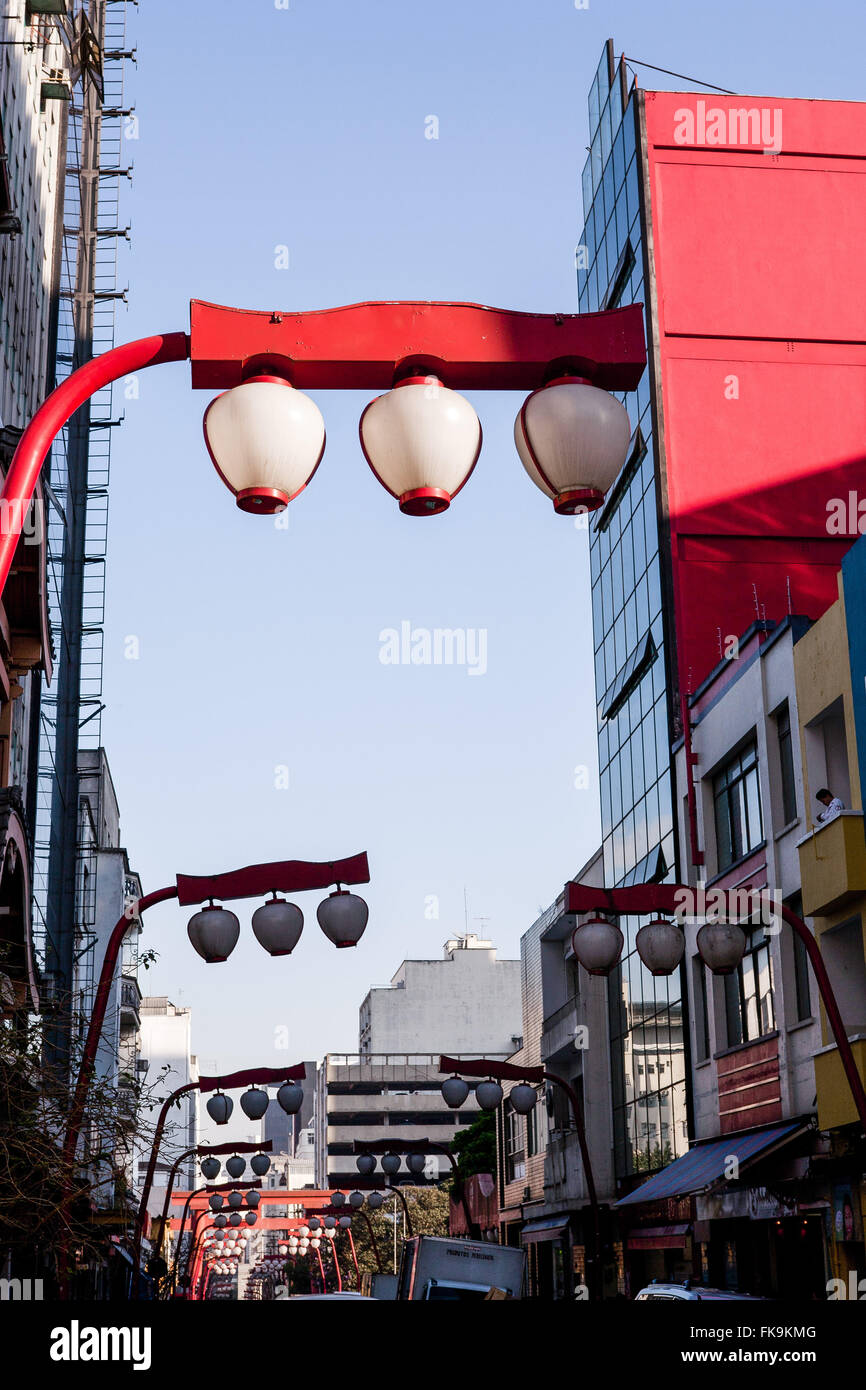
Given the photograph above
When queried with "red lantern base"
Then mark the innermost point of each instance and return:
(264, 501)
(340, 945)
(425, 501)
(582, 499)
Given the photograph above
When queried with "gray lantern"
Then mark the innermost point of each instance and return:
(345, 1222)
(254, 1103)
(251, 1218)
(220, 1221)
(488, 1094)
(252, 1198)
(260, 1163)
(214, 933)
(338, 1199)
(343, 917)
(391, 1164)
(235, 1166)
(236, 1200)
(722, 946)
(597, 944)
(291, 1097)
(375, 1200)
(416, 1163)
(277, 926)
(356, 1199)
(523, 1098)
(330, 1223)
(454, 1091)
(660, 945)
(210, 1168)
(365, 1164)
(220, 1107)
(235, 1219)
(216, 1201)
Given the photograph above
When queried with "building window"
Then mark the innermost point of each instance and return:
(532, 1144)
(737, 805)
(802, 968)
(786, 765)
(515, 1153)
(701, 1006)
(749, 994)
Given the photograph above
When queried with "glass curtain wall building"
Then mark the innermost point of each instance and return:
(634, 673)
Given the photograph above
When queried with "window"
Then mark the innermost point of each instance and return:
(749, 994)
(786, 765)
(737, 806)
(532, 1132)
(515, 1155)
(701, 1007)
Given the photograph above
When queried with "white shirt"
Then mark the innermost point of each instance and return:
(836, 805)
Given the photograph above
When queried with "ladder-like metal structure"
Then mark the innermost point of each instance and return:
(76, 513)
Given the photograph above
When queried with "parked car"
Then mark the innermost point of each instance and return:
(690, 1293)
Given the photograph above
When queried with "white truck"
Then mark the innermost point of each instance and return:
(436, 1267)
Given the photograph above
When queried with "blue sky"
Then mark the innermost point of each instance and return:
(259, 647)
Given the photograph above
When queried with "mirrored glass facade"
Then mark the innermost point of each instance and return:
(631, 636)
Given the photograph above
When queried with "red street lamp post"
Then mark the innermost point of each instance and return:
(205, 1151)
(721, 944)
(505, 1071)
(266, 439)
(256, 880)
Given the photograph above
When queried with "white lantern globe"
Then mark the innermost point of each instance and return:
(343, 917)
(422, 441)
(598, 945)
(721, 946)
(214, 933)
(661, 946)
(266, 441)
(277, 926)
(572, 439)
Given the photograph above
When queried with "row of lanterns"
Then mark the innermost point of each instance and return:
(254, 1103)
(488, 1094)
(366, 1164)
(598, 943)
(421, 440)
(277, 925)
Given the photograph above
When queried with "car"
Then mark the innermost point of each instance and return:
(311, 1297)
(690, 1293)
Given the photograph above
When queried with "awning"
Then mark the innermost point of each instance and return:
(547, 1229)
(658, 1237)
(706, 1163)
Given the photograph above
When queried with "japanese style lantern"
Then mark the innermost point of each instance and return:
(454, 1091)
(598, 945)
(235, 1166)
(210, 1168)
(390, 1165)
(422, 441)
(260, 1163)
(416, 1163)
(660, 945)
(365, 1164)
(343, 917)
(375, 1200)
(254, 1103)
(220, 1107)
(277, 925)
(214, 933)
(523, 1098)
(572, 440)
(291, 1097)
(488, 1094)
(266, 441)
(722, 946)
(236, 1200)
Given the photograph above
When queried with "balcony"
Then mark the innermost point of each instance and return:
(835, 1102)
(130, 1004)
(558, 1029)
(833, 864)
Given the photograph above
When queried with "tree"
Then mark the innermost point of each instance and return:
(475, 1146)
(428, 1210)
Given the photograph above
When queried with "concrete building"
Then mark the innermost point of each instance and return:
(167, 1063)
(108, 889)
(467, 1002)
(377, 1096)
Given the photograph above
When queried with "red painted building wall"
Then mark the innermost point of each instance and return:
(759, 264)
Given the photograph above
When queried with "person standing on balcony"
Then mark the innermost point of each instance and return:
(832, 804)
